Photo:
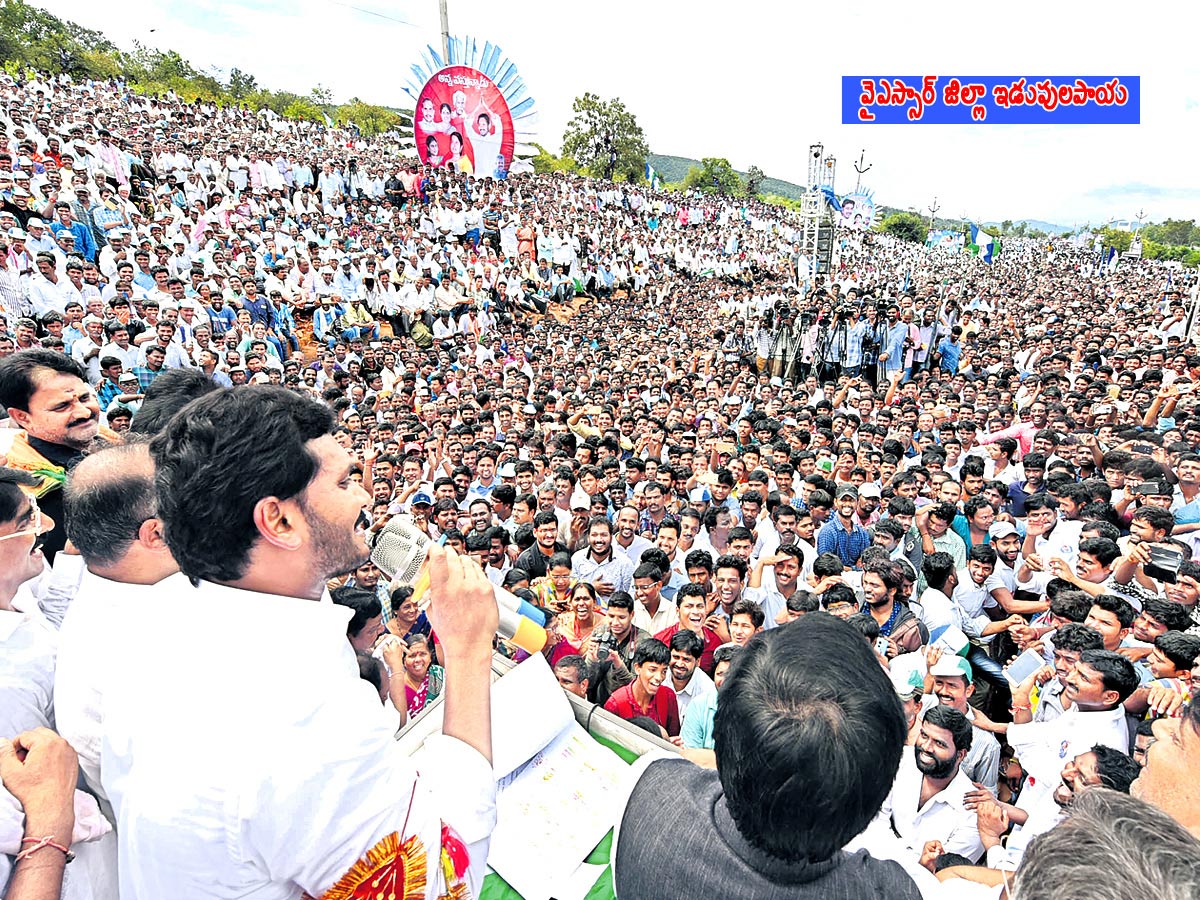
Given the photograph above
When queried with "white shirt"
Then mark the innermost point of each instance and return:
(982, 762)
(1045, 747)
(29, 641)
(698, 685)
(944, 817)
(667, 615)
(244, 757)
(104, 615)
(635, 549)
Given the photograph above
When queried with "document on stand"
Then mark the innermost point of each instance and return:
(559, 790)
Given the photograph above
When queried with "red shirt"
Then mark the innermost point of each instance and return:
(711, 642)
(664, 708)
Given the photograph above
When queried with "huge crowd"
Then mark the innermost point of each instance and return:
(646, 413)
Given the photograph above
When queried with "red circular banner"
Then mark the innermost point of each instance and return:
(462, 121)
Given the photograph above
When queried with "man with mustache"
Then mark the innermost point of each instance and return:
(47, 395)
(927, 802)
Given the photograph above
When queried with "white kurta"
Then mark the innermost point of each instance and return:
(244, 756)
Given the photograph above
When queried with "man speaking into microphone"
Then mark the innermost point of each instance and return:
(242, 752)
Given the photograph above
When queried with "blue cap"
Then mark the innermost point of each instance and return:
(420, 497)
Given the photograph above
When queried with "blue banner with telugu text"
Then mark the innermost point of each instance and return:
(963, 100)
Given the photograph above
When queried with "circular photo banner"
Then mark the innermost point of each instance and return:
(462, 121)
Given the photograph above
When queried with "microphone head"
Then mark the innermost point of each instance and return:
(399, 549)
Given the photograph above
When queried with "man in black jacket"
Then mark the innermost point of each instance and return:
(808, 739)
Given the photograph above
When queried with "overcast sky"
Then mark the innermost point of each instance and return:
(743, 82)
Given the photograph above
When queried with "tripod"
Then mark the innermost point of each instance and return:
(831, 337)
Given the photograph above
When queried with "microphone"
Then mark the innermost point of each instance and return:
(400, 550)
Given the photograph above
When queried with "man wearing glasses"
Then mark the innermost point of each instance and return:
(47, 395)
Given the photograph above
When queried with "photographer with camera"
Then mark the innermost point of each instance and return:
(611, 647)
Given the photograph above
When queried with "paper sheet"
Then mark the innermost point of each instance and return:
(553, 811)
(529, 710)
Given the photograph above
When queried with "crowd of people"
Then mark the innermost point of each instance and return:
(649, 415)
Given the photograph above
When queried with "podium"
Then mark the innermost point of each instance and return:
(626, 741)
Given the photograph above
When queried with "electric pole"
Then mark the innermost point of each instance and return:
(445, 14)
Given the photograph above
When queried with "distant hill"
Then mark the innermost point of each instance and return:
(1038, 225)
(675, 168)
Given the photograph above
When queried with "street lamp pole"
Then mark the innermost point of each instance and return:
(861, 170)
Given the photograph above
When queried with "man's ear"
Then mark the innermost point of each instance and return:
(277, 522)
(150, 535)
(20, 416)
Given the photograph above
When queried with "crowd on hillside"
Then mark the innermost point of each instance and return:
(648, 414)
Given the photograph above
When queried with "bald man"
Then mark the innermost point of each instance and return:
(111, 511)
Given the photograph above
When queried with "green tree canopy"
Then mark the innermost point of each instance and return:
(370, 119)
(1178, 232)
(754, 181)
(714, 175)
(598, 130)
(906, 226)
(546, 162)
(1118, 239)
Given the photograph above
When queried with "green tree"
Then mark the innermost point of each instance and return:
(1177, 232)
(241, 84)
(546, 162)
(370, 119)
(714, 175)
(605, 138)
(304, 109)
(322, 98)
(1118, 239)
(754, 181)
(905, 225)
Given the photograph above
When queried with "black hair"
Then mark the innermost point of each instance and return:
(803, 602)
(1101, 548)
(1041, 501)
(621, 600)
(1181, 649)
(170, 392)
(1117, 673)
(1076, 638)
(749, 608)
(953, 721)
(213, 467)
(652, 651)
(687, 642)
(13, 498)
(937, 568)
(1173, 615)
(20, 371)
(364, 604)
(810, 690)
(729, 561)
(1118, 606)
(1071, 604)
(1156, 517)
(840, 593)
(370, 670)
(515, 576)
(1116, 770)
(864, 624)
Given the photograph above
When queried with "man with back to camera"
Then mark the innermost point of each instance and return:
(307, 781)
(767, 823)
